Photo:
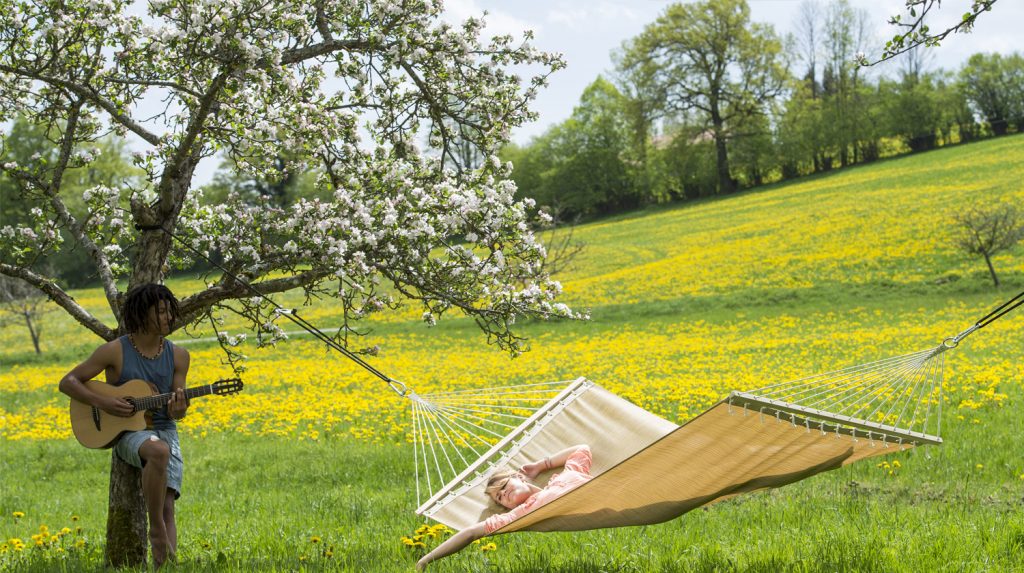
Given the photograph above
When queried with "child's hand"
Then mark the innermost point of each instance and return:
(533, 470)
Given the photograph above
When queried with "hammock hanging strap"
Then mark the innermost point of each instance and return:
(987, 319)
(398, 387)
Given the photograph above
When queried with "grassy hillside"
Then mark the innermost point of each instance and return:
(688, 301)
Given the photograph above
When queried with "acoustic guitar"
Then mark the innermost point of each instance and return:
(95, 428)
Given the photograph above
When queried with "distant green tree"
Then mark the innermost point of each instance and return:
(994, 85)
(578, 167)
(753, 152)
(913, 109)
(712, 61)
(959, 121)
(846, 106)
(800, 133)
(643, 105)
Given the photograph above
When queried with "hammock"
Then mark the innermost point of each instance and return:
(648, 470)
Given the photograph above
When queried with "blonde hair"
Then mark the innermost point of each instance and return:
(494, 483)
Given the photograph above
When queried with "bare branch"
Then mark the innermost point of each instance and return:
(61, 298)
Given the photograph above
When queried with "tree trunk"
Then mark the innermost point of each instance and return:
(725, 183)
(126, 516)
(127, 541)
(991, 270)
(31, 330)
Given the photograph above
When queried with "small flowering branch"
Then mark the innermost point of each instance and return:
(916, 33)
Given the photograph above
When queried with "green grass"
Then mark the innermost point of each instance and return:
(255, 503)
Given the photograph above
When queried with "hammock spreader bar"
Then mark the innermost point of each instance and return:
(758, 404)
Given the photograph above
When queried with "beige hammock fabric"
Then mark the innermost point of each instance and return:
(649, 470)
(583, 413)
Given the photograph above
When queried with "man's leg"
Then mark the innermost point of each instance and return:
(154, 488)
(169, 525)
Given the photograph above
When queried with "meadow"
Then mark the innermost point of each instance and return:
(310, 468)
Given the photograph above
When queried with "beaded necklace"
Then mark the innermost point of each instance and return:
(159, 351)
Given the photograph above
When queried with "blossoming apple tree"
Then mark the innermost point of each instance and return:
(376, 96)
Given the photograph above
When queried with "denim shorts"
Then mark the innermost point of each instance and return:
(127, 449)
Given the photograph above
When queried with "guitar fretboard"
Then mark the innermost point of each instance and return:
(158, 400)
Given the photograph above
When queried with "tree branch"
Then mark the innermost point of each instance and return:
(89, 94)
(68, 220)
(61, 298)
(195, 305)
(323, 48)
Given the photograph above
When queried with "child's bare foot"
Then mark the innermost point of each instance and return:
(158, 545)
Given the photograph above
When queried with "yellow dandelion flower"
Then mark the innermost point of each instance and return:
(18, 514)
(420, 544)
(80, 543)
(895, 463)
(65, 531)
(489, 547)
(74, 518)
(314, 539)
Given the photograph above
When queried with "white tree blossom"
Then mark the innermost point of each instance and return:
(346, 88)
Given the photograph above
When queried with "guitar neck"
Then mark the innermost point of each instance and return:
(158, 400)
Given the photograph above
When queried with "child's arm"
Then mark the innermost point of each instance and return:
(72, 382)
(453, 544)
(556, 460)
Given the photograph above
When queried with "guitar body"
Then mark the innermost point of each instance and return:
(95, 428)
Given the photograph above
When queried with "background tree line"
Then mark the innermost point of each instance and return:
(704, 102)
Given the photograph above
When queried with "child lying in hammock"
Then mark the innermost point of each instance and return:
(515, 491)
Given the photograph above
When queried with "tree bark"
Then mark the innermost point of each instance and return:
(991, 270)
(126, 516)
(32, 330)
(725, 184)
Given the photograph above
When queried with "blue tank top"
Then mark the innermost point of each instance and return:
(159, 371)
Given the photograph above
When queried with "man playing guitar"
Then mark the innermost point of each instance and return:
(149, 313)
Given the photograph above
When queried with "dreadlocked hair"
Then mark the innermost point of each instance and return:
(142, 298)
